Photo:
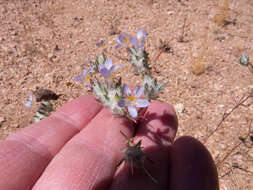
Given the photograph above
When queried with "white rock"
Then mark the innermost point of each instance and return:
(179, 107)
(221, 106)
(2, 119)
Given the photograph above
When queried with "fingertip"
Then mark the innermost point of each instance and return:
(192, 166)
(160, 122)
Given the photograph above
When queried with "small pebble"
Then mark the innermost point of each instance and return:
(244, 60)
(45, 94)
(179, 107)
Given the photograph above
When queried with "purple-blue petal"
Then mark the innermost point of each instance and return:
(122, 103)
(119, 39)
(85, 72)
(134, 41)
(132, 111)
(115, 67)
(105, 73)
(28, 104)
(78, 78)
(142, 103)
(138, 91)
(108, 63)
(100, 67)
(144, 35)
(126, 90)
(140, 34)
(118, 46)
(101, 43)
(30, 97)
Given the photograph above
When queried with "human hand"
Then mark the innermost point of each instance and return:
(78, 147)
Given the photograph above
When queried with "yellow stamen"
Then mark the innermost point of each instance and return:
(34, 104)
(87, 78)
(125, 41)
(131, 98)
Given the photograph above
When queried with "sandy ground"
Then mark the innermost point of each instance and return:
(44, 44)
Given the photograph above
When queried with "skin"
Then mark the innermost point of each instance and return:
(78, 147)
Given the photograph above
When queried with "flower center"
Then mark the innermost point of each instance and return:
(131, 98)
(34, 104)
(87, 78)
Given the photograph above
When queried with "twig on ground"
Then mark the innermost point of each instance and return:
(243, 169)
(219, 163)
(225, 115)
(181, 37)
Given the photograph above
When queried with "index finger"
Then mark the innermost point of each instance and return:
(25, 154)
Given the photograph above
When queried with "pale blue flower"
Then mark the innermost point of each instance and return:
(84, 76)
(133, 100)
(31, 103)
(139, 41)
(122, 41)
(101, 44)
(107, 69)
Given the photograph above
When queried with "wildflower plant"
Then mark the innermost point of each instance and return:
(121, 99)
(109, 90)
(99, 76)
(44, 108)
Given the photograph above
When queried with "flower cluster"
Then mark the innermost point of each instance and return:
(110, 91)
(101, 79)
(99, 76)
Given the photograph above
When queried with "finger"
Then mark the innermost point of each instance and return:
(157, 134)
(24, 155)
(88, 160)
(192, 166)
